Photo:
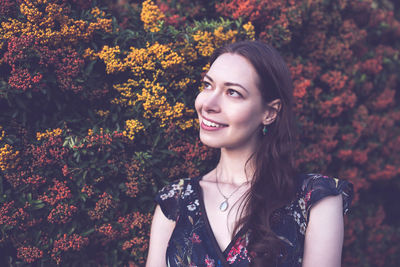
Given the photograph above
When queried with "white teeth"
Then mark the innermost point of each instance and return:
(211, 124)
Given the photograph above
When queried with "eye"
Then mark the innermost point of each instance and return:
(232, 92)
(206, 85)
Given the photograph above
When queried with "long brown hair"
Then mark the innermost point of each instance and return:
(273, 184)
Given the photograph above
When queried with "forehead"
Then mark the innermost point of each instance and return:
(234, 68)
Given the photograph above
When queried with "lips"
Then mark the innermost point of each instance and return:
(211, 123)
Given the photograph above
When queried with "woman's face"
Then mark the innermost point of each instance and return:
(230, 106)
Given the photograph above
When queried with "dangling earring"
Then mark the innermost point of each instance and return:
(264, 130)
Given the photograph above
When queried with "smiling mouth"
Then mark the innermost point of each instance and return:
(213, 124)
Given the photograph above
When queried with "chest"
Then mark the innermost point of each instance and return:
(203, 234)
(222, 223)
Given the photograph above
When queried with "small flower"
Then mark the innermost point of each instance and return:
(296, 216)
(176, 187)
(193, 206)
(303, 228)
(188, 190)
(209, 262)
(302, 203)
(171, 193)
(195, 238)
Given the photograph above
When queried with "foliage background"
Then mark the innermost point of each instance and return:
(96, 102)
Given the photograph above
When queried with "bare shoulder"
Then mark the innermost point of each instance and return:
(324, 234)
(327, 206)
(161, 231)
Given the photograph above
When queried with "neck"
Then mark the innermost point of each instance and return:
(231, 167)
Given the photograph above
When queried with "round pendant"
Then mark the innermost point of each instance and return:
(223, 206)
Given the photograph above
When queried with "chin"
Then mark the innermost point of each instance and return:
(210, 142)
(225, 142)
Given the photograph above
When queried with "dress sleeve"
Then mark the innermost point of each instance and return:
(316, 187)
(169, 197)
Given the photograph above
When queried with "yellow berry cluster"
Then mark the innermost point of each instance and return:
(249, 29)
(187, 50)
(138, 60)
(47, 134)
(148, 65)
(152, 57)
(204, 45)
(8, 158)
(109, 56)
(132, 127)
(153, 100)
(89, 53)
(188, 123)
(41, 24)
(3, 133)
(96, 12)
(208, 41)
(151, 16)
(102, 113)
(181, 84)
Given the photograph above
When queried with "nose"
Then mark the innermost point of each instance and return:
(211, 103)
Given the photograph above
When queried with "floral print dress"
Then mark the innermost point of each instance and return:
(193, 243)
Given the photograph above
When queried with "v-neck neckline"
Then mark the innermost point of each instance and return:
(221, 254)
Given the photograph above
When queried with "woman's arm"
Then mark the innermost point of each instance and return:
(161, 231)
(324, 234)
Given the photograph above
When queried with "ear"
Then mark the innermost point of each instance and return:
(272, 111)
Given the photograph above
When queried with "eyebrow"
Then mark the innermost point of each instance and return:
(228, 83)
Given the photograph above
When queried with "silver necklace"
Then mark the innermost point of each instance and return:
(225, 204)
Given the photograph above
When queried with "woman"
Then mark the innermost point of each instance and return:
(252, 209)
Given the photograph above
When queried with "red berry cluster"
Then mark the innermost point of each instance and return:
(6, 216)
(64, 62)
(133, 221)
(107, 233)
(67, 243)
(104, 204)
(29, 254)
(50, 151)
(59, 191)
(62, 213)
(35, 180)
(88, 190)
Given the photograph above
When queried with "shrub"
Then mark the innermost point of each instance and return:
(96, 102)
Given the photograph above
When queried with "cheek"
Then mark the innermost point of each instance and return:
(247, 116)
(198, 102)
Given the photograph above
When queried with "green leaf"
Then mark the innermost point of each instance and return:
(88, 232)
(15, 114)
(38, 206)
(66, 142)
(85, 174)
(89, 67)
